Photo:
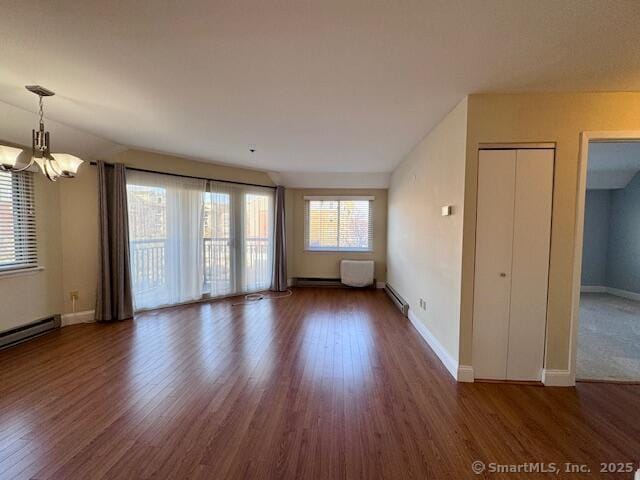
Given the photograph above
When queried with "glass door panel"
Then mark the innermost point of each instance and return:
(257, 241)
(219, 254)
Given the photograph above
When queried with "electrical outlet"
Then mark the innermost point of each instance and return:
(423, 304)
(74, 295)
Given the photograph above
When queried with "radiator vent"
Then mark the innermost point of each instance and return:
(26, 332)
(317, 282)
(322, 282)
(395, 297)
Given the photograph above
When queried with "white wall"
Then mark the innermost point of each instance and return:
(424, 258)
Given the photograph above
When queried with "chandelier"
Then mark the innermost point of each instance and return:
(53, 165)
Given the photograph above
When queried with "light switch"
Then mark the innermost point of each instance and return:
(446, 210)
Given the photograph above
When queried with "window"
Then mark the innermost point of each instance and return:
(191, 238)
(338, 224)
(18, 249)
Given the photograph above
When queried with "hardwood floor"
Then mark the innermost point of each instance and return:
(327, 384)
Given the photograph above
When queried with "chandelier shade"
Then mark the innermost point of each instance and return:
(9, 157)
(66, 165)
(14, 159)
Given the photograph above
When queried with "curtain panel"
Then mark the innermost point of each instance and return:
(279, 277)
(194, 238)
(114, 297)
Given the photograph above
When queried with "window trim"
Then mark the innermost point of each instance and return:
(16, 272)
(338, 198)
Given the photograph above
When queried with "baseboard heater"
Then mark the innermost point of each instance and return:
(28, 331)
(323, 282)
(399, 302)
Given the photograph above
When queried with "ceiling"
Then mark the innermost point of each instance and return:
(612, 164)
(331, 86)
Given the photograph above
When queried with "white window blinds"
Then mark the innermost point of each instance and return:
(338, 224)
(18, 246)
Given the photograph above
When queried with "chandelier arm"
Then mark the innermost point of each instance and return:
(50, 171)
(29, 165)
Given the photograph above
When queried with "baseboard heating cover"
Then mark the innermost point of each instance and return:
(323, 282)
(317, 282)
(395, 297)
(30, 330)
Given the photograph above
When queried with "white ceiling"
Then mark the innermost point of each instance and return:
(327, 86)
(612, 164)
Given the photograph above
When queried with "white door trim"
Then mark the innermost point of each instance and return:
(583, 157)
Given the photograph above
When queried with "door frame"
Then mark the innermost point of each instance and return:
(583, 161)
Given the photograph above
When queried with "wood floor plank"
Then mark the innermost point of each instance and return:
(325, 384)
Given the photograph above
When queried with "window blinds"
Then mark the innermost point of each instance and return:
(338, 224)
(18, 245)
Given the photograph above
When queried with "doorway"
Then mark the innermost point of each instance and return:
(608, 327)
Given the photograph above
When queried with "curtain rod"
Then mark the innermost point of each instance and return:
(189, 176)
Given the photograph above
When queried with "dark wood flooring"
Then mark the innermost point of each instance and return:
(324, 384)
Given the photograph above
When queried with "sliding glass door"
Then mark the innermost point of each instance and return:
(147, 240)
(191, 238)
(219, 243)
(238, 239)
(257, 242)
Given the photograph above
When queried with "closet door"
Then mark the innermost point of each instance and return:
(530, 265)
(494, 239)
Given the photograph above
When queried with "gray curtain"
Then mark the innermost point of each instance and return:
(113, 299)
(279, 278)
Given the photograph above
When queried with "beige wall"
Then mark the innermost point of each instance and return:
(327, 264)
(79, 230)
(26, 297)
(425, 249)
(79, 203)
(540, 118)
(184, 166)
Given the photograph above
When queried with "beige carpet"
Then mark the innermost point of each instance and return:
(609, 338)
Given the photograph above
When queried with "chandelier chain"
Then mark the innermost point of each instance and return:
(41, 111)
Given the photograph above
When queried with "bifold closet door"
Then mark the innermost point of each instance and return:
(513, 232)
(494, 240)
(530, 265)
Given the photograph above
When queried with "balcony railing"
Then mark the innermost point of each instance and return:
(257, 263)
(148, 265)
(218, 267)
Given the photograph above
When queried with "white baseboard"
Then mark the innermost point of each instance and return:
(610, 290)
(447, 360)
(381, 284)
(623, 293)
(593, 289)
(465, 374)
(88, 316)
(557, 378)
